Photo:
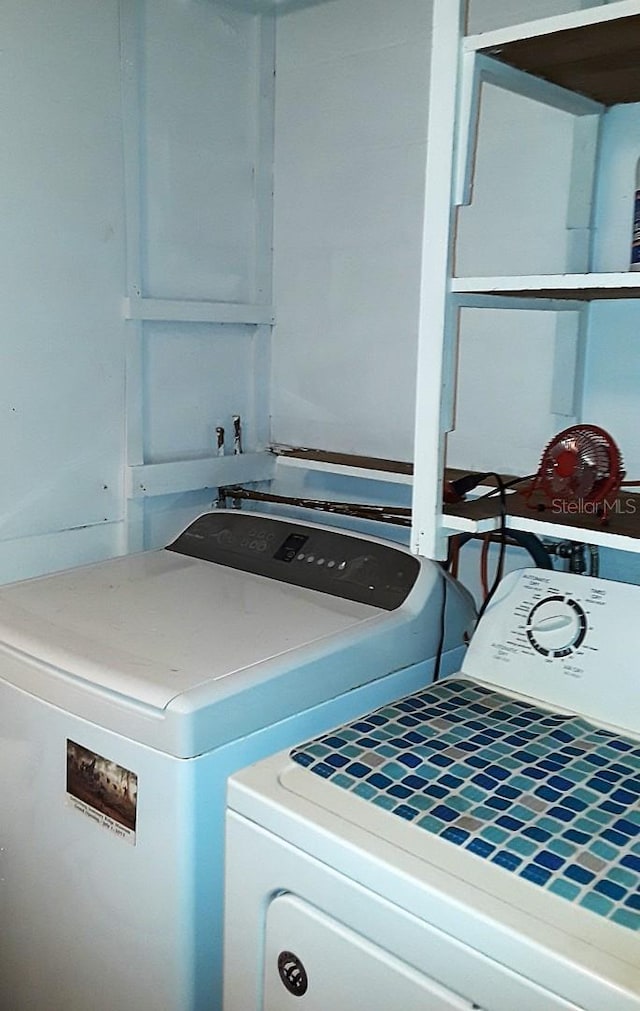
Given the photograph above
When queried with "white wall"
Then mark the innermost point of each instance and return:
(507, 407)
(485, 15)
(348, 201)
(138, 178)
(351, 118)
(351, 99)
(61, 276)
(612, 380)
(159, 194)
(198, 149)
(198, 105)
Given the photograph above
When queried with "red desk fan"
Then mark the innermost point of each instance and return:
(580, 465)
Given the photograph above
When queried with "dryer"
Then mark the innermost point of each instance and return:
(475, 844)
(130, 689)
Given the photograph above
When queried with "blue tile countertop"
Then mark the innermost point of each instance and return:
(548, 796)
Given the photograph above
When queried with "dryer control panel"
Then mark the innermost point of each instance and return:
(568, 640)
(556, 626)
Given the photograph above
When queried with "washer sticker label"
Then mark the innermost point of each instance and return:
(103, 791)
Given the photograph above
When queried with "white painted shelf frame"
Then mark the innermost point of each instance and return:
(537, 60)
(144, 479)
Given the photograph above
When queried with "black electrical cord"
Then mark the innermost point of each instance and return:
(529, 542)
(503, 542)
(505, 484)
(437, 668)
(466, 484)
(534, 546)
(520, 538)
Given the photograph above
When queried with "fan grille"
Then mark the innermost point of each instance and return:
(583, 462)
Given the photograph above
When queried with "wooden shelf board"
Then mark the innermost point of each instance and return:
(592, 52)
(580, 287)
(621, 529)
(369, 467)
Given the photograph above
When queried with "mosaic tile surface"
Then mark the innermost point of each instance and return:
(549, 797)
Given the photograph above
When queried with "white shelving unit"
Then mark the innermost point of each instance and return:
(150, 314)
(574, 287)
(582, 63)
(359, 468)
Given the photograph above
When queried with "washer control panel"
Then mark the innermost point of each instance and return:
(333, 561)
(565, 639)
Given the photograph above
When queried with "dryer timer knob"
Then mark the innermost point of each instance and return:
(556, 626)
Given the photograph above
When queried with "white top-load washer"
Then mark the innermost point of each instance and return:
(130, 689)
(475, 844)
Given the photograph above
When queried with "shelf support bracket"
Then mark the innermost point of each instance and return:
(478, 69)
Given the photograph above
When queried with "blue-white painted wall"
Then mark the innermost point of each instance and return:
(137, 155)
(351, 121)
(131, 141)
(198, 147)
(198, 152)
(612, 379)
(62, 268)
(611, 372)
(341, 197)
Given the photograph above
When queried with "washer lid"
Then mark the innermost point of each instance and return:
(153, 626)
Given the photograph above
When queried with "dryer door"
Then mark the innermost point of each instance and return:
(309, 955)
